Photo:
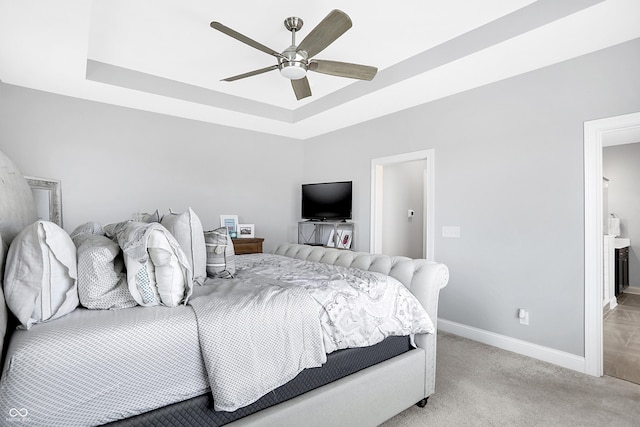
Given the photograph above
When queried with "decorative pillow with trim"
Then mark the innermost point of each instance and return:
(187, 229)
(158, 271)
(221, 258)
(147, 217)
(41, 274)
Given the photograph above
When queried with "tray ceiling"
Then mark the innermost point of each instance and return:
(162, 55)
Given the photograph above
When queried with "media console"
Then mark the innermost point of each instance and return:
(336, 234)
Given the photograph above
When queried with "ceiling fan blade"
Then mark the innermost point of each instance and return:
(244, 39)
(343, 69)
(301, 88)
(335, 24)
(250, 73)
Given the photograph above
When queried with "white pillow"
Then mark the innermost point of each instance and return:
(41, 274)
(221, 258)
(3, 307)
(187, 229)
(170, 280)
(3, 253)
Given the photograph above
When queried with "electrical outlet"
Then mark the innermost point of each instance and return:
(523, 315)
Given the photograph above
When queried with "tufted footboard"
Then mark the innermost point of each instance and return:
(423, 278)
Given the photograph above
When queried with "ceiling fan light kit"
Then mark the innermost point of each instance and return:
(296, 65)
(295, 61)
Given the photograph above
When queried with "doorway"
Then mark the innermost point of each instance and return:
(621, 325)
(426, 187)
(596, 132)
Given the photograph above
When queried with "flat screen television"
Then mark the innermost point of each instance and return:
(327, 201)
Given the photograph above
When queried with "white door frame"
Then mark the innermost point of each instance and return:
(594, 134)
(377, 166)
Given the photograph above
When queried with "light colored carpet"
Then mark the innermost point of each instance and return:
(481, 385)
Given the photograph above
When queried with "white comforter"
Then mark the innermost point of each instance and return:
(293, 312)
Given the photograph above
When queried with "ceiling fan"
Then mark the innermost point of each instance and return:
(295, 61)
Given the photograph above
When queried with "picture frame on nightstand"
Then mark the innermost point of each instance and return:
(230, 222)
(246, 231)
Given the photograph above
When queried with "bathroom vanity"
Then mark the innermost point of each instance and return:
(621, 264)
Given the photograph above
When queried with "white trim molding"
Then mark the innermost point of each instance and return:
(595, 132)
(377, 166)
(546, 354)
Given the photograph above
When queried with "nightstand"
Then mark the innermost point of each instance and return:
(247, 246)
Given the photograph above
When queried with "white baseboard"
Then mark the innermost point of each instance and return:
(546, 354)
(632, 290)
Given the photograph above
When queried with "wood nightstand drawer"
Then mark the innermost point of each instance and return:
(247, 246)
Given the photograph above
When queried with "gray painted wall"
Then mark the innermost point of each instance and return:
(115, 161)
(620, 165)
(509, 172)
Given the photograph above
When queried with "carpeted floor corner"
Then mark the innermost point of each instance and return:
(481, 385)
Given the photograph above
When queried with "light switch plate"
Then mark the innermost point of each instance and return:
(450, 231)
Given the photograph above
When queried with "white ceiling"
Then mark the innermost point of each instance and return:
(162, 55)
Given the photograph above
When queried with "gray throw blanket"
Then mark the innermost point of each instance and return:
(256, 337)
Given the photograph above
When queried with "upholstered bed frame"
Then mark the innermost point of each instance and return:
(375, 394)
(366, 398)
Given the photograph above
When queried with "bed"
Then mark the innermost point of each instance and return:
(100, 360)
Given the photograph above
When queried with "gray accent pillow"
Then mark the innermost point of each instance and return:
(87, 228)
(221, 258)
(102, 279)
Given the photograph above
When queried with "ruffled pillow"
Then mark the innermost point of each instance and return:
(41, 274)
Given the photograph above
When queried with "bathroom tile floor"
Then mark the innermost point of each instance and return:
(621, 331)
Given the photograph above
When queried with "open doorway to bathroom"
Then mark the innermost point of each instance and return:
(417, 166)
(598, 134)
(621, 207)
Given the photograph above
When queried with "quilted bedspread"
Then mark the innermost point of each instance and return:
(281, 315)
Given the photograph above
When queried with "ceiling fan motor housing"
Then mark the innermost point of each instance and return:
(295, 66)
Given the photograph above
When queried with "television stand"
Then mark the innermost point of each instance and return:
(329, 233)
